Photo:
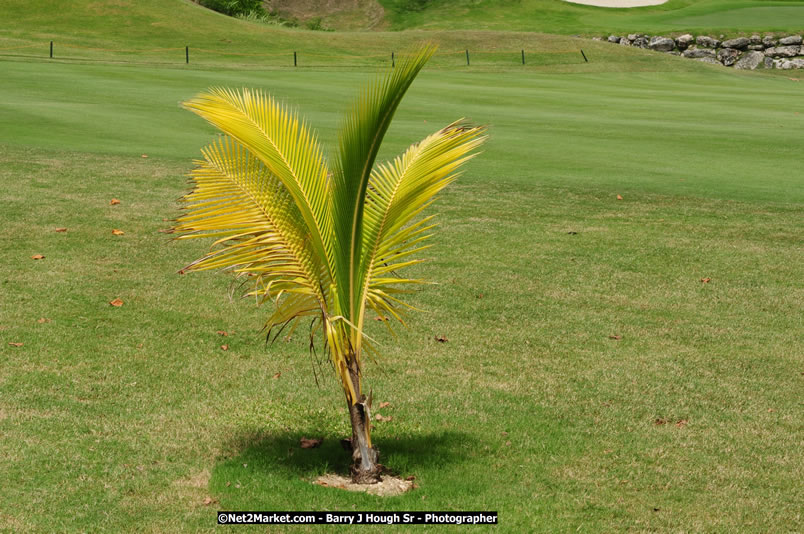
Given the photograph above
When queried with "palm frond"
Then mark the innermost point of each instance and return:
(260, 232)
(361, 136)
(398, 192)
(274, 135)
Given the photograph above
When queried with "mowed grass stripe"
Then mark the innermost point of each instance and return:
(707, 134)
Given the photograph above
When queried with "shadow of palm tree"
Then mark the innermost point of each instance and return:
(281, 452)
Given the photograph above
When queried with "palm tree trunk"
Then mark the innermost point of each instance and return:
(365, 469)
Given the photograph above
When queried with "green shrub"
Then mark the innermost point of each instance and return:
(402, 6)
(315, 24)
(235, 8)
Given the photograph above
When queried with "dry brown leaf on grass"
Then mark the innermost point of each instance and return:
(222, 333)
(382, 418)
(616, 337)
(378, 318)
(224, 347)
(384, 405)
(277, 375)
(681, 423)
(117, 232)
(441, 339)
(706, 280)
(619, 197)
(42, 320)
(60, 229)
(209, 500)
(660, 421)
(13, 344)
(116, 303)
(38, 257)
(144, 156)
(114, 202)
(310, 443)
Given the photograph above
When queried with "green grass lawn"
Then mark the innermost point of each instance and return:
(591, 381)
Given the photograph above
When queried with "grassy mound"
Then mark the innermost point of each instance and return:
(557, 16)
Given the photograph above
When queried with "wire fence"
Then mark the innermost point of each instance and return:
(188, 55)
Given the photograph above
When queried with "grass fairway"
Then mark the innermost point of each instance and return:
(590, 381)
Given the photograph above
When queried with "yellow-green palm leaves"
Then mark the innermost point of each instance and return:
(320, 243)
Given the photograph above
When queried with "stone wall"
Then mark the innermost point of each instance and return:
(769, 51)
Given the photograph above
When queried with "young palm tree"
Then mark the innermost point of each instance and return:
(322, 244)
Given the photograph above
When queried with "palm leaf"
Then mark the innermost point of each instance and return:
(259, 230)
(398, 192)
(361, 136)
(289, 151)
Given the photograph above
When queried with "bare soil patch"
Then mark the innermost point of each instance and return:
(388, 487)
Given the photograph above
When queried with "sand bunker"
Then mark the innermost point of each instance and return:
(618, 3)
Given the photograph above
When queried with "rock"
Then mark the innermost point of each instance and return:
(728, 56)
(769, 41)
(767, 62)
(783, 51)
(633, 36)
(751, 60)
(625, 42)
(641, 42)
(673, 53)
(790, 40)
(614, 39)
(788, 64)
(755, 39)
(597, 38)
(662, 44)
(706, 42)
(740, 43)
(698, 53)
(710, 60)
(684, 41)
(756, 47)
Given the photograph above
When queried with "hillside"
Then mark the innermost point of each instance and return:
(157, 32)
(152, 23)
(557, 16)
(547, 16)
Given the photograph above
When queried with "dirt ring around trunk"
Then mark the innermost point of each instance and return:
(388, 487)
